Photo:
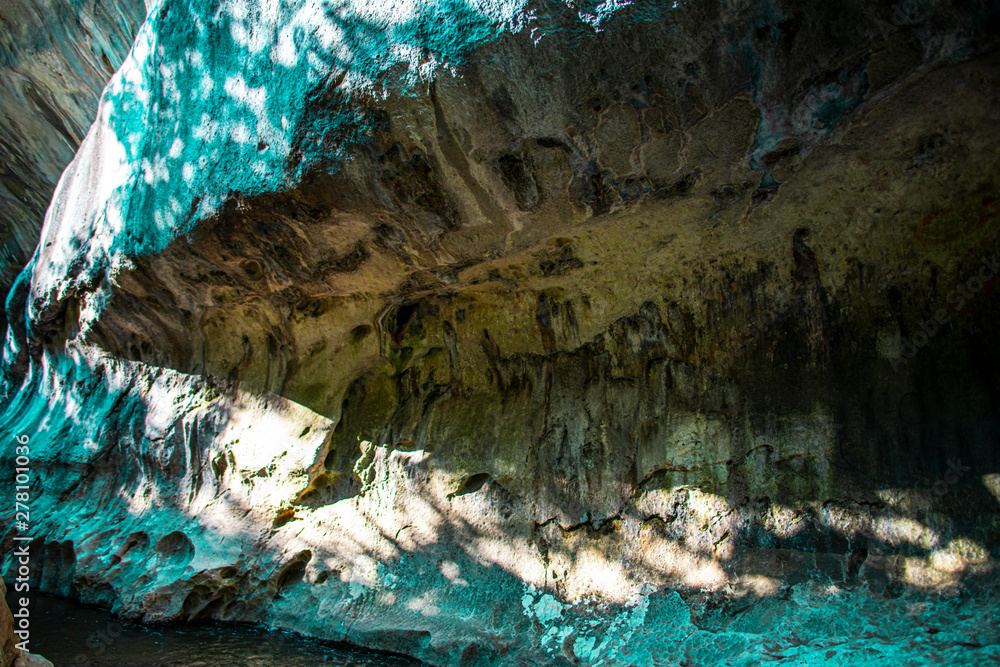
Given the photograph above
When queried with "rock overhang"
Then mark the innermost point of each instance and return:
(649, 323)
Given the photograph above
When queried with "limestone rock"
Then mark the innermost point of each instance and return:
(551, 335)
(10, 654)
(31, 660)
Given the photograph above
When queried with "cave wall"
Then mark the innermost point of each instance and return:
(55, 57)
(629, 336)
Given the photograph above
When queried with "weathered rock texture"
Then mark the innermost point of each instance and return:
(55, 57)
(563, 346)
(10, 654)
(8, 641)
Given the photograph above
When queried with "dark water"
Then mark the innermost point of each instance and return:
(71, 634)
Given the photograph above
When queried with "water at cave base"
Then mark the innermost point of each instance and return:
(71, 635)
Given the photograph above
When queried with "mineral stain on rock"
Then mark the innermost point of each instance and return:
(513, 333)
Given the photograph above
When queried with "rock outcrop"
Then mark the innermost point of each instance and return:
(530, 334)
(55, 57)
(8, 641)
(10, 654)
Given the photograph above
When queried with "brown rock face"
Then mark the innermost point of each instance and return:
(621, 347)
(8, 653)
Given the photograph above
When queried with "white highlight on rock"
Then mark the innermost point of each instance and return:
(176, 148)
(206, 86)
(254, 98)
(241, 134)
(206, 130)
(992, 484)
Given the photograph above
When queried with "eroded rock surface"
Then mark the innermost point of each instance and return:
(55, 57)
(660, 335)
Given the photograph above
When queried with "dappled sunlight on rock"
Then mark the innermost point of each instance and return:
(495, 333)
